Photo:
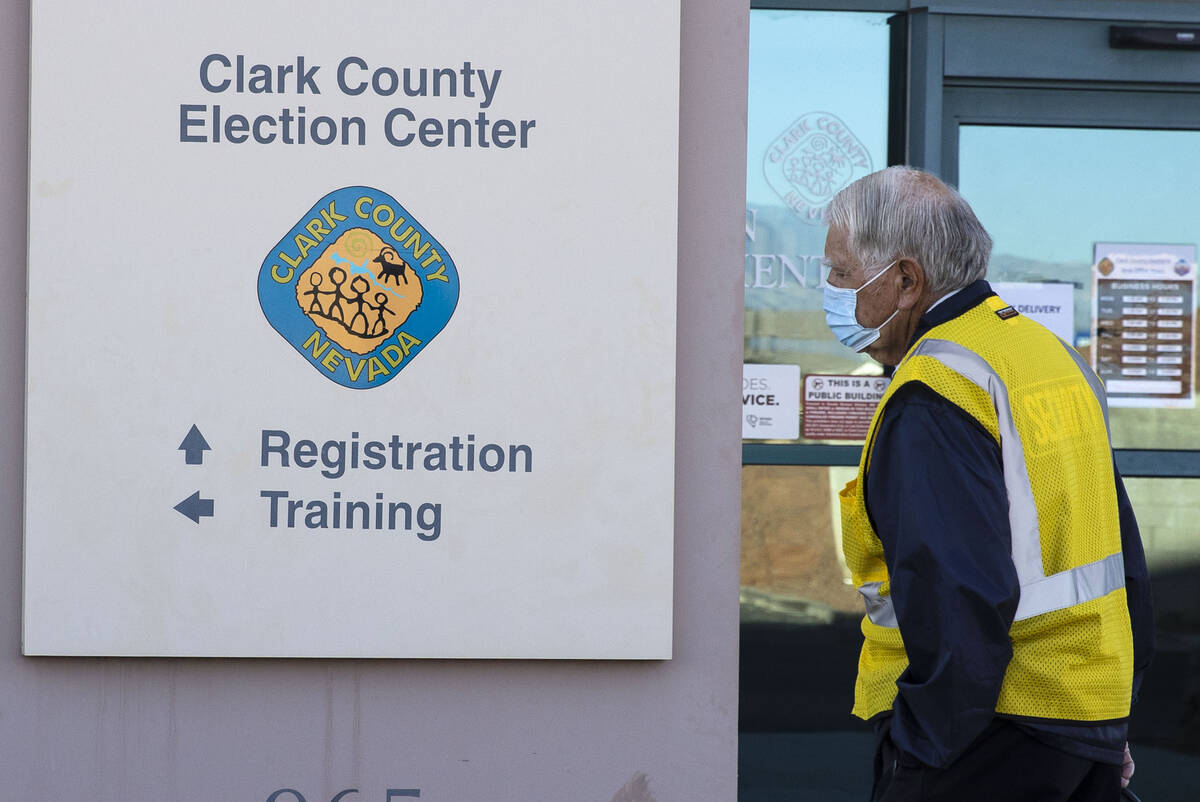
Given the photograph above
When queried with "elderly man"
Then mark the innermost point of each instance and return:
(1008, 611)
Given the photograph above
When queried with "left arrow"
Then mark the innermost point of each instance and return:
(193, 446)
(195, 507)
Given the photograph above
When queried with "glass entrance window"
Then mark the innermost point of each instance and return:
(816, 121)
(1096, 230)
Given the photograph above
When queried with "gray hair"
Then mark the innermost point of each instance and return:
(902, 212)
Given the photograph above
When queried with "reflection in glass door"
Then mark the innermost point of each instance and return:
(1108, 212)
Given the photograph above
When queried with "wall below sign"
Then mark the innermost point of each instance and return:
(115, 730)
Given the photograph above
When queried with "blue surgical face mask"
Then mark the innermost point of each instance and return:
(841, 307)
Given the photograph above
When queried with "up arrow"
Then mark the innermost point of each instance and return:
(194, 446)
(195, 507)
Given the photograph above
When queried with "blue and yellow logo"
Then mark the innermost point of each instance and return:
(358, 287)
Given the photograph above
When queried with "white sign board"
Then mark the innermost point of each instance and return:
(1050, 303)
(770, 402)
(352, 329)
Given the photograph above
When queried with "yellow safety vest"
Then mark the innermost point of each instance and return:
(1071, 639)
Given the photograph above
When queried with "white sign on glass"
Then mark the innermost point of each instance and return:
(1050, 303)
(770, 402)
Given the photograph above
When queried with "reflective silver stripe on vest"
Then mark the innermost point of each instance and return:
(1039, 593)
(1094, 382)
(879, 608)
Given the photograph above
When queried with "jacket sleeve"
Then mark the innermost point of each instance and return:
(1137, 585)
(936, 497)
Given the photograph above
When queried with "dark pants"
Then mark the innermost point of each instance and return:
(1003, 765)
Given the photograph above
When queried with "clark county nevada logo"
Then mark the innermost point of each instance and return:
(358, 287)
(811, 160)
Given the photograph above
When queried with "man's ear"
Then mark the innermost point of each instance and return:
(912, 283)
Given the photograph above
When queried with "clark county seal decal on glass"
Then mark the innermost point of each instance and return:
(358, 287)
(811, 160)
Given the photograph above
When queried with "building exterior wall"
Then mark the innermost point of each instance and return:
(243, 730)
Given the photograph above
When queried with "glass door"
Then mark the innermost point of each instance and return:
(1089, 197)
(1108, 215)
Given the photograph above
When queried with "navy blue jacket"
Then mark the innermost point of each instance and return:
(936, 473)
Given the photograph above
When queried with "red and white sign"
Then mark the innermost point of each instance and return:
(840, 407)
